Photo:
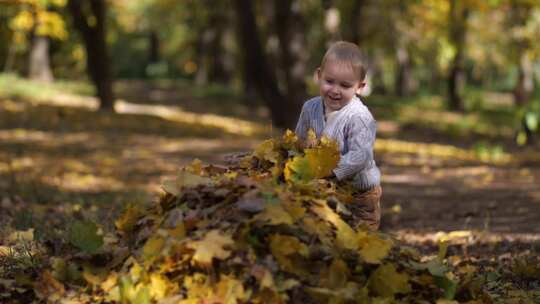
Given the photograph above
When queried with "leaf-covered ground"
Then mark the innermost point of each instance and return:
(64, 168)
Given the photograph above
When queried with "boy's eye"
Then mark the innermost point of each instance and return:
(346, 85)
(330, 81)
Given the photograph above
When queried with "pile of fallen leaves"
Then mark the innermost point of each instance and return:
(268, 229)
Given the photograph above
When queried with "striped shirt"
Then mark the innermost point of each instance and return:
(354, 129)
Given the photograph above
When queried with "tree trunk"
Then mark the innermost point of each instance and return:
(376, 76)
(458, 30)
(290, 31)
(403, 72)
(203, 42)
(210, 49)
(39, 63)
(256, 67)
(10, 57)
(519, 14)
(98, 61)
(353, 25)
(153, 47)
(217, 71)
(525, 82)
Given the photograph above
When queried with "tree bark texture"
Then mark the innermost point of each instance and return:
(257, 68)
(290, 28)
(39, 63)
(97, 56)
(211, 54)
(519, 14)
(403, 72)
(352, 30)
(525, 82)
(153, 47)
(458, 29)
(403, 76)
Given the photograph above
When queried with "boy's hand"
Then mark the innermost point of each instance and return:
(332, 177)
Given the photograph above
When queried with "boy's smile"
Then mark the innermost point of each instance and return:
(337, 84)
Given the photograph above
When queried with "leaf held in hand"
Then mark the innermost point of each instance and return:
(318, 162)
(268, 151)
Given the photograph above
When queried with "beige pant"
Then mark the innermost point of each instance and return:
(366, 209)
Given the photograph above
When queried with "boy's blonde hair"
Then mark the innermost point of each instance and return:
(349, 53)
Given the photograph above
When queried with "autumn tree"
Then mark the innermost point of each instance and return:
(290, 28)
(89, 18)
(352, 25)
(284, 107)
(522, 29)
(35, 24)
(457, 28)
(519, 13)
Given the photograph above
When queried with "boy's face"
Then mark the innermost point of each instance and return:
(337, 84)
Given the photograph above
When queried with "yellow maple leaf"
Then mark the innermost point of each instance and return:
(195, 167)
(153, 247)
(298, 169)
(110, 282)
(373, 248)
(197, 287)
(161, 286)
(319, 228)
(274, 214)
(178, 232)
(338, 274)
(283, 247)
(211, 246)
(345, 235)
(317, 162)
(268, 150)
(21, 236)
(289, 140)
(184, 179)
(386, 281)
(345, 293)
(311, 139)
(229, 290)
(127, 221)
(295, 210)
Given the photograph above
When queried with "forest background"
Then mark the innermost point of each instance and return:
(101, 101)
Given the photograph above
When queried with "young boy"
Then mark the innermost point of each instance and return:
(339, 114)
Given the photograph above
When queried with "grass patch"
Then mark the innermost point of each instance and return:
(488, 114)
(13, 86)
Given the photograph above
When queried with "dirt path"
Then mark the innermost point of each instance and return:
(52, 154)
(477, 197)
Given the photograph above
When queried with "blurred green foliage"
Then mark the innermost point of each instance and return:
(197, 41)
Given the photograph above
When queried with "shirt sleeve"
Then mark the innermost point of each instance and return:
(303, 123)
(360, 138)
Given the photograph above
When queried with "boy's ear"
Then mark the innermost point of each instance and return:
(361, 87)
(317, 74)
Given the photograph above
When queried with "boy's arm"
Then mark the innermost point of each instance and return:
(302, 125)
(360, 138)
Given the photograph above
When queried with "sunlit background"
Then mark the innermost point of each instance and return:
(100, 101)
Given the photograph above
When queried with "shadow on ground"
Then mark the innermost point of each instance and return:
(53, 158)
